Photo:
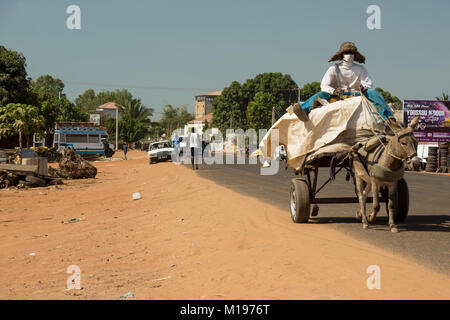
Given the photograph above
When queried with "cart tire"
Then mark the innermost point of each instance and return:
(299, 201)
(401, 202)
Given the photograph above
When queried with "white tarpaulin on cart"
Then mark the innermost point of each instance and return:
(330, 129)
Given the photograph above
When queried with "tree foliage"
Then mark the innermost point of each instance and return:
(133, 124)
(14, 82)
(21, 119)
(259, 109)
(174, 118)
(53, 104)
(230, 108)
(397, 103)
(444, 97)
(89, 100)
(309, 90)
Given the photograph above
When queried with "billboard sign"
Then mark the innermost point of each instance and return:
(434, 119)
(94, 118)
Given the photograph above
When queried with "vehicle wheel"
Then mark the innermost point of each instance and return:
(299, 201)
(36, 181)
(401, 202)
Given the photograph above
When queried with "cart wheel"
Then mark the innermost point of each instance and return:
(299, 201)
(401, 202)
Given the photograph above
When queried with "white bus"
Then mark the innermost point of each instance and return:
(83, 137)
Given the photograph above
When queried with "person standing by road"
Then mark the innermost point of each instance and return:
(125, 150)
(176, 148)
(195, 146)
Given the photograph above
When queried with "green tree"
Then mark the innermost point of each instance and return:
(397, 103)
(309, 90)
(89, 100)
(134, 121)
(21, 119)
(85, 101)
(14, 82)
(52, 86)
(70, 113)
(134, 109)
(230, 108)
(174, 118)
(259, 111)
(133, 124)
(53, 104)
(444, 97)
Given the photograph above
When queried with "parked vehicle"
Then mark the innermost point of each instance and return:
(83, 137)
(160, 151)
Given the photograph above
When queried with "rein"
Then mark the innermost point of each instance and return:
(407, 132)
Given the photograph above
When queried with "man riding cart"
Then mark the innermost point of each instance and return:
(343, 80)
(345, 126)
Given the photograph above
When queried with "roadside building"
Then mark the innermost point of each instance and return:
(203, 103)
(198, 124)
(108, 110)
(203, 112)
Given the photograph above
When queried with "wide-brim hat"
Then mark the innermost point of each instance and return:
(348, 47)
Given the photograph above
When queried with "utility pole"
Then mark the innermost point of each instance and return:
(117, 127)
(298, 95)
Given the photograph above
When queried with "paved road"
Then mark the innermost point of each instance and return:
(424, 236)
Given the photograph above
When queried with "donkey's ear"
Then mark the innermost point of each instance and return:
(414, 122)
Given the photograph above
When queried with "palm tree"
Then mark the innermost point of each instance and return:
(16, 118)
(134, 109)
(135, 120)
(444, 97)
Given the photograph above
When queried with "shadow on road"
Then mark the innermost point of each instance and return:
(435, 223)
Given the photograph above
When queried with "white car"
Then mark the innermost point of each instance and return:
(160, 151)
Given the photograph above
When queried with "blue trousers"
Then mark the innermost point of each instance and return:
(371, 94)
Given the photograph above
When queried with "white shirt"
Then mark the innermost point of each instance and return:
(351, 74)
(194, 140)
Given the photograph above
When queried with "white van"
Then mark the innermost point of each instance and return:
(83, 137)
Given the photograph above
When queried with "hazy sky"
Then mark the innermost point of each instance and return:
(193, 46)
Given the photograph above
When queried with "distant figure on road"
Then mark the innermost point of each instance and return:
(176, 148)
(125, 150)
(195, 144)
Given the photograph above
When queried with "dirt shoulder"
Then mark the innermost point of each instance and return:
(186, 238)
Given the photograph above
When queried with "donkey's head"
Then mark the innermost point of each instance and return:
(403, 145)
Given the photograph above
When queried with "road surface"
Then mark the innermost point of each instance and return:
(424, 236)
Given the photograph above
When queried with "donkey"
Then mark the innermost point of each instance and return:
(383, 167)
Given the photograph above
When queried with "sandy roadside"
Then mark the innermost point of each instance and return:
(187, 238)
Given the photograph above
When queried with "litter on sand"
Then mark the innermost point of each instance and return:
(136, 196)
(73, 220)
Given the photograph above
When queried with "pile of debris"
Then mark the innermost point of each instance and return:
(23, 176)
(51, 154)
(73, 166)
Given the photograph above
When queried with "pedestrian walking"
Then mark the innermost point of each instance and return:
(195, 146)
(125, 150)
